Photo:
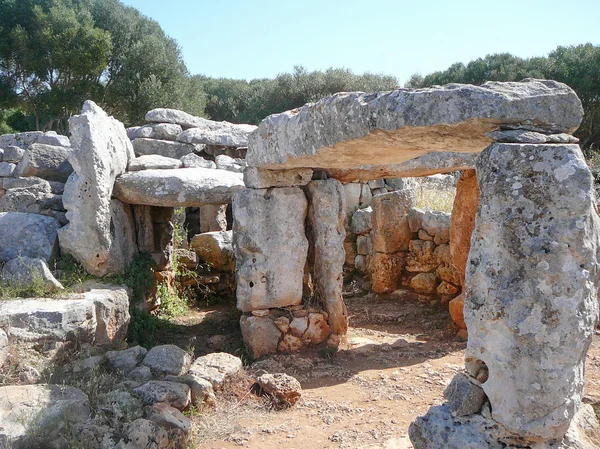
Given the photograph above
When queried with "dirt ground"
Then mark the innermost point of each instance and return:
(399, 357)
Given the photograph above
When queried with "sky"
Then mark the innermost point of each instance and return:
(259, 39)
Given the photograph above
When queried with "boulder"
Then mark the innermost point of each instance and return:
(153, 162)
(45, 161)
(326, 217)
(362, 221)
(525, 136)
(358, 129)
(213, 217)
(437, 225)
(201, 390)
(26, 199)
(262, 179)
(456, 308)
(218, 133)
(7, 168)
(424, 283)
(119, 405)
(165, 148)
(283, 387)
(465, 397)
(260, 334)
(27, 235)
(168, 359)
(164, 115)
(23, 140)
(194, 161)
(172, 393)
(391, 232)
(24, 271)
(318, 329)
(13, 154)
(99, 316)
(98, 226)
(357, 196)
(184, 187)
(225, 162)
(160, 131)
(270, 246)
(168, 418)
(421, 258)
(215, 248)
(385, 269)
(462, 221)
(216, 368)
(144, 434)
(127, 359)
(49, 410)
(531, 303)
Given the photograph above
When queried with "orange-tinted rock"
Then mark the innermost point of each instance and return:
(456, 307)
(386, 271)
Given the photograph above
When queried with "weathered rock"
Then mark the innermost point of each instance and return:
(201, 389)
(168, 418)
(424, 283)
(216, 367)
(45, 161)
(318, 329)
(260, 334)
(364, 245)
(49, 409)
(173, 393)
(165, 148)
(225, 162)
(351, 252)
(256, 178)
(27, 235)
(140, 374)
(194, 161)
(415, 219)
(13, 154)
(99, 315)
(215, 248)
(25, 199)
(531, 304)
(447, 289)
(88, 435)
(168, 359)
(391, 232)
(153, 162)
(144, 434)
(218, 133)
(326, 216)
(363, 265)
(160, 131)
(178, 188)
(270, 246)
(27, 271)
(127, 359)
(525, 136)
(213, 217)
(187, 258)
(464, 396)
(19, 183)
(386, 270)
(285, 388)
(101, 152)
(437, 224)
(357, 196)
(120, 405)
(357, 129)
(456, 308)
(362, 221)
(3, 347)
(7, 168)
(89, 365)
(23, 140)
(421, 257)
(462, 220)
(298, 326)
(290, 343)
(164, 115)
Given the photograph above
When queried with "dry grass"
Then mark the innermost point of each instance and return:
(436, 199)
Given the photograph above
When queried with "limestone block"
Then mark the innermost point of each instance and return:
(415, 219)
(446, 289)
(270, 247)
(175, 394)
(45, 161)
(101, 152)
(318, 330)
(194, 161)
(357, 195)
(7, 168)
(216, 367)
(160, 131)
(28, 235)
(357, 129)
(153, 162)
(456, 308)
(261, 179)
(22, 199)
(424, 283)
(363, 265)
(213, 217)
(215, 248)
(25, 271)
(386, 270)
(437, 224)
(218, 133)
(462, 220)
(350, 251)
(326, 216)
(364, 245)
(224, 162)
(168, 359)
(464, 396)
(13, 154)
(182, 187)
(531, 303)
(285, 388)
(391, 232)
(127, 359)
(421, 257)
(362, 221)
(165, 148)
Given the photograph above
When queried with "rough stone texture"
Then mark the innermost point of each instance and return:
(358, 196)
(153, 162)
(23, 140)
(349, 130)
(168, 418)
(27, 235)
(216, 367)
(524, 136)
(202, 390)
(213, 217)
(7, 168)
(140, 374)
(421, 257)
(362, 221)
(194, 161)
(437, 224)
(285, 388)
(262, 179)
(364, 245)
(165, 148)
(101, 152)
(168, 359)
(260, 334)
(270, 247)
(160, 131)
(225, 162)
(464, 396)
(26, 199)
(127, 359)
(424, 283)
(13, 154)
(317, 331)
(173, 393)
(218, 133)
(49, 409)
(99, 316)
(326, 216)
(438, 429)
(215, 248)
(144, 434)
(3, 347)
(184, 187)
(456, 308)
(391, 232)
(26, 270)
(45, 161)
(386, 270)
(531, 304)
(462, 220)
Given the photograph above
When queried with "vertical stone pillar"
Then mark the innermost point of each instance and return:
(326, 216)
(213, 218)
(531, 285)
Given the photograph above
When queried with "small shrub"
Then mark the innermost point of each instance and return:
(172, 304)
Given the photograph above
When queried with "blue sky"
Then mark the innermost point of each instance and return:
(256, 39)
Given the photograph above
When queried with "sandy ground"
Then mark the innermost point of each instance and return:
(399, 357)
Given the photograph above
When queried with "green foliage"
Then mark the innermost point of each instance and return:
(172, 304)
(35, 289)
(240, 101)
(139, 277)
(577, 66)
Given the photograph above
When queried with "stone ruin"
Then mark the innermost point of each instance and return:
(521, 242)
